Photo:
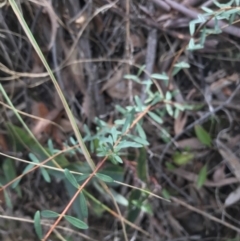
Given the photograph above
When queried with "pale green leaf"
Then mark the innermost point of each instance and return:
(49, 214)
(71, 178)
(83, 205)
(104, 177)
(202, 177)
(142, 167)
(203, 135)
(83, 177)
(127, 144)
(155, 117)
(76, 222)
(27, 168)
(182, 158)
(37, 224)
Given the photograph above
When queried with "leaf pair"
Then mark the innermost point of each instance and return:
(50, 214)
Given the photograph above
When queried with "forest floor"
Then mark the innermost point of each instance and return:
(130, 76)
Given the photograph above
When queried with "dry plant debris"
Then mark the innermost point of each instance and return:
(104, 54)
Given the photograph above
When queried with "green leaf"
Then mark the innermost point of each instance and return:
(9, 170)
(43, 171)
(141, 132)
(138, 139)
(120, 199)
(37, 224)
(170, 166)
(203, 135)
(127, 144)
(155, 117)
(142, 165)
(115, 133)
(83, 205)
(182, 158)
(138, 102)
(76, 222)
(19, 137)
(128, 121)
(141, 70)
(168, 95)
(166, 194)
(71, 178)
(118, 158)
(202, 177)
(50, 146)
(133, 209)
(169, 109)
(7, 199)
(49, 214)
(132, 77)
(27, 168)
(182, 65)
(83, 177)
(104, 177)
(162, 76)
(116, 172)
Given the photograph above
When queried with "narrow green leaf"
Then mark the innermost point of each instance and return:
(43, 171)
(140, 70)
(162, 76)
(139, 140)
(166, 194)
(127, 144)
(120, 199)
(168, 95)
(141, 132)
(27, 168)
(45, 174)
(7, 199)
(182, 158)
(76, 222)
(71, 178)
(169, 109)
(118, 159)
(203, 135)
(132, 77)
(142, 165)
(50, 146)
(82, 177)
(138, 102)
(155, 117)
(37, 224)
(9, 170)
(104, 177)
(33, 158)
(114, 133)
(128, 120)
(83, 205)
(49, 214)
(182, 65)
(202, 177)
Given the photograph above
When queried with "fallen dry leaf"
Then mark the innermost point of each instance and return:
(232, 160)
(88, 110)
(117, 76)
(180, 122)
(53, 18)
(219, 174)
(193, 178)
(224, 82)
(3, 143)
(233, 197)
(43, 125)
(116, 86)
(191, 143)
